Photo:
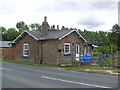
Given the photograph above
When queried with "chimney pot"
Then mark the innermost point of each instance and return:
(53, 26)
(45, 19)
(58, 27)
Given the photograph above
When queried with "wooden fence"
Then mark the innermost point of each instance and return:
(7, 53)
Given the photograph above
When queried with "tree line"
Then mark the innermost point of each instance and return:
(107, 41)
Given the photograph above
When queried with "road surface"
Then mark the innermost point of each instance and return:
(24, 76)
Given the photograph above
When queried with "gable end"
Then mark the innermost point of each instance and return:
(20, 36)
(70, 33)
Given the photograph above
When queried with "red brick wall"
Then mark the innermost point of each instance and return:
(73, 38)
(33, 48)
(49, 49)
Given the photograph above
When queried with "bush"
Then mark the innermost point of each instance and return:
(106, 49)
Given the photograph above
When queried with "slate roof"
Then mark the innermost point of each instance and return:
(5, 44)
(53, 34)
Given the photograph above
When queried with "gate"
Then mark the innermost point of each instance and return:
(109, 60)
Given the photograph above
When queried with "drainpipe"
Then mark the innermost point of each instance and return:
(41, 55)
(38, 52)
(57, 58)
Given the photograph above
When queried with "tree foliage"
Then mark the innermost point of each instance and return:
(35, 26)
(106, 41)
(3, 29)
(114, 36)
(21, 26)
(10, 35)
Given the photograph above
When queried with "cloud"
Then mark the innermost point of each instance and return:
(91, 21)
(119, 13)
(70, 13)
(104, 5)
(71, 6)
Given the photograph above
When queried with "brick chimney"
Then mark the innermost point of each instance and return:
(45, 27)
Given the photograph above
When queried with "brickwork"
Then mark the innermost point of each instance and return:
(73, 37)
(46, 51)
(49, 51)
(33, 48)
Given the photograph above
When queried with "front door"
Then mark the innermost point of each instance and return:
(77, 52)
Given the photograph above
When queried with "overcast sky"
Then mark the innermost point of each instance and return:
(94, 15)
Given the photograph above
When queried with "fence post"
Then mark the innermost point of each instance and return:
(100, 59)
(113, 60)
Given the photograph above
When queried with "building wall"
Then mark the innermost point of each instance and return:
(33, 48)
(49, 51)
(73, 37)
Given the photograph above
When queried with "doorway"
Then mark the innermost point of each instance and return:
(77, 52)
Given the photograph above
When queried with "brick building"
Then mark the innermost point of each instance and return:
(50, 46)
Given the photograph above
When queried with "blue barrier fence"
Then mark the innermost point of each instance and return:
(86, 60)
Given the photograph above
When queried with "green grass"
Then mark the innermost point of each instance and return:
(28, 63)
(80, 68)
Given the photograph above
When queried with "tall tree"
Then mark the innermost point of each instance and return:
(21, 26)
(11, 34)
(64, 28)
(2, 32)
(35, 26)
(115, 35)
(3, 29)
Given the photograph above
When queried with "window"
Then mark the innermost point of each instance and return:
(67, 48)
(77, 48)
(25, 50)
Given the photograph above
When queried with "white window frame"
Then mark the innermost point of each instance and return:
(77, 48)
(65, 48)
(25, 49)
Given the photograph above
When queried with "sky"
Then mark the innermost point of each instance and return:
(92, 15)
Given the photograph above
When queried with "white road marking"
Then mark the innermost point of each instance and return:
(73, 82)
(6, 69)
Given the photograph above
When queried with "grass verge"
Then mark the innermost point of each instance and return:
(28, 63)
(81, 68)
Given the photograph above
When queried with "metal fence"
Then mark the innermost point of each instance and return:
(107, 60)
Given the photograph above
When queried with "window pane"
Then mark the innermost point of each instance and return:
(25, 49)
(25, 52)
(67, 48)
(25, 46)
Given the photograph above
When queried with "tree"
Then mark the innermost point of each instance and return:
(3, 29)
(11, 34)
(21, 26)
(2, 32)
(114, 36)
(64, 28)
(35, 26)
(104, 49)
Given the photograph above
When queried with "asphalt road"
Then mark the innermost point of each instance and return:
(24, 76)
